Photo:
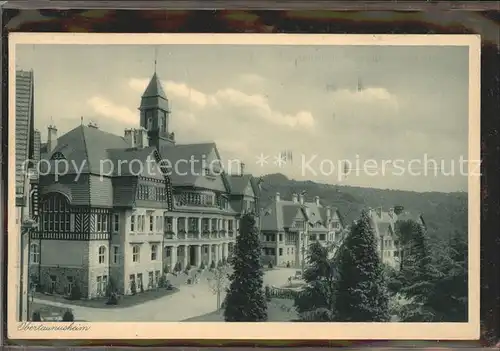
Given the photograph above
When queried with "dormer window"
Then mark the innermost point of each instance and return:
(58, 156)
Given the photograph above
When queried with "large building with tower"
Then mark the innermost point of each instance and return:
(129, 208)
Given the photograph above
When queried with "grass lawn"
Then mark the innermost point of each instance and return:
(124, 301)
(278, 310)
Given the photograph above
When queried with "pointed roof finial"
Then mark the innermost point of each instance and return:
(81, 120)
(156, 57)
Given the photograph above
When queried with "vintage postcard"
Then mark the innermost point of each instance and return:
(172, 186)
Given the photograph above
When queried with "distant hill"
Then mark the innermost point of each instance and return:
(444, 213)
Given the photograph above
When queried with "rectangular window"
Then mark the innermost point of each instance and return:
(154, 252)
(151, 223)
(281, 252)
(322, 237)
(135, 253)
(132, 223)
(116, 254)
(116, 222)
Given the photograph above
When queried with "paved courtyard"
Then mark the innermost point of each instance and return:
(191, 301)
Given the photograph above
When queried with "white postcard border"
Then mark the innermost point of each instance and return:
(265, 330)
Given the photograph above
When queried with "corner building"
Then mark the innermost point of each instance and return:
(107, 218)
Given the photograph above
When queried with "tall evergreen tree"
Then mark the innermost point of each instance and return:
(361, 291)
(245, 300)
(316, 301)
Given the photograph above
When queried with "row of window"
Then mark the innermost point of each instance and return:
(271, 251)
(193, 224)
(154, 223)
(390, 253)
(153, 280)
(136, 253)
(152, 193)
(198, 199)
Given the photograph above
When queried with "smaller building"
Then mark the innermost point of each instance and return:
(288, 227)
(384, 223)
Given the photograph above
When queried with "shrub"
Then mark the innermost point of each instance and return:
(224, 260)
(133, 288)
(288, 265)
(189, 281)
(219, 264)
(168, 285)
(202, 265)
(166, 269)
(68, 316)
(36, 317)
(212, 265)
(76, 294)
(270, 265)
(162, 281)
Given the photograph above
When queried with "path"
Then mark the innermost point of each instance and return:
(190, 301)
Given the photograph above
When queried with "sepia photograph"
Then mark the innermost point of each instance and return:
(177, 184)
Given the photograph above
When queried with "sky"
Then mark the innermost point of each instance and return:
(256, 102)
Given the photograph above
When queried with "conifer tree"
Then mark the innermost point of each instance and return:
(316, 301)
(361, 291)
(418, 273)
(245, 300)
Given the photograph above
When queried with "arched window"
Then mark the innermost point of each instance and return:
(58, 156)
(55, 216)
(154, 252)
(136, 253)
(34, 253)
(102, 254)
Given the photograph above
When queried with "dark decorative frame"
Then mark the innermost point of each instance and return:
(458, 17)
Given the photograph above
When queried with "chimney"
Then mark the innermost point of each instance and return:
(301, 199)
(130, 137)
(242, 168)
(379, 212)
(398, 209)
(141, 138)
(51, 138)
(295, 199)
(277, 197)
(316, 200)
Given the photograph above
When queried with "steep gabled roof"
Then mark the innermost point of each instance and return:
(87, 149)
(239, 184)
(280, 215)
(186, 173)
